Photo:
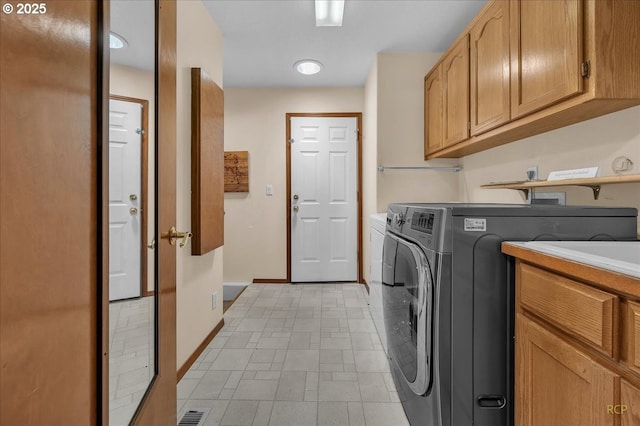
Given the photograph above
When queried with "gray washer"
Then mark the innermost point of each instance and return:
(449, 312)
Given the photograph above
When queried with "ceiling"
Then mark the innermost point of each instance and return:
(264, 38)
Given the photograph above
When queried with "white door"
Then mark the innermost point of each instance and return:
(324, 199)
(124, 199)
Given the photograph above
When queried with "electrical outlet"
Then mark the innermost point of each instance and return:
(532, 173)
(214, 300)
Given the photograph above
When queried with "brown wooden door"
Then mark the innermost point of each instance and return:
(490, 77)
(159, 405)
(455, 74)
(433, 114)
(546, 53)
(50, 231)
(556, 384)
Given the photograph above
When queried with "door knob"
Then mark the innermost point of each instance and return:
(296, 208)
(173, 235)
(133, 211)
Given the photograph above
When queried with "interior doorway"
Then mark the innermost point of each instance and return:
(324, 197)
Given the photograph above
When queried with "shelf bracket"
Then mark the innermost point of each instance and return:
(595, 189)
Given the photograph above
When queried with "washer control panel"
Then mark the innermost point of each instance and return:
(422, 222)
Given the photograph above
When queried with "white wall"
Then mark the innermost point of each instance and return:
(198, 277)
(369, 162)
(255, 224)
(400, 135)
(138, 83)
(592, 143)
(394, 135)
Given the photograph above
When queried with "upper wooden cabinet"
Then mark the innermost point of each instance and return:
(433, 111)
(490, 76)
(546, 54)
(455, 75)
(535, 66)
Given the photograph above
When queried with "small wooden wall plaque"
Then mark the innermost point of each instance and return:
(236, 171)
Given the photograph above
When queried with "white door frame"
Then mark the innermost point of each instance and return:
(358, 117)
(144, 184)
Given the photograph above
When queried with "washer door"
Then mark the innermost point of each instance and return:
(407, 298)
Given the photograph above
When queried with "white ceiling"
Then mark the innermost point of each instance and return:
(264, 38)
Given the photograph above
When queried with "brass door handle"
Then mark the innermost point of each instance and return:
(296, 208)
(152, 245)
(173, 235)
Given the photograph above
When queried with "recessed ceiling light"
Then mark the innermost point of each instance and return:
(308, 66)
(116, 41)
(329, 13)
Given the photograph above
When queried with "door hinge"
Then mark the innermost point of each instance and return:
(585, 69)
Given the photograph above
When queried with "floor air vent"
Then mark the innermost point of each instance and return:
(193, 417)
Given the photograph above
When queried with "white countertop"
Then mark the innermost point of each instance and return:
(618, 256)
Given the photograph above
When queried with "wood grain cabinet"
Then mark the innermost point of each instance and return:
(577, 343)
(535, 66)
(557, 384)
(546, 54)
(433, 121)
(455, 76)
(490, 68)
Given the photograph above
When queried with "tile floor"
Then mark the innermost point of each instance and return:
(294, 355)
(130, 360)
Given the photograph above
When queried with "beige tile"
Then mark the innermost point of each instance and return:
(240, 413)
(338, 391)
(287, 413)
(333, 414)
(371, 361)
(263, 414)
(256, 390)
(373, 388)
(186, 387)
(232, 359)
(356, 414)
(291, 386)
(251, 324)
(384, 414)
(262, 356)
(301, 360)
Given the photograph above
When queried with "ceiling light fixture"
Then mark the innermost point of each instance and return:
(116, 41)
(329, 13)
(308, 66)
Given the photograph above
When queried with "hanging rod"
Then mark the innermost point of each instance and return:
(443, 168)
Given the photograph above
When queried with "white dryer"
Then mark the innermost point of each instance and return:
(377, 226)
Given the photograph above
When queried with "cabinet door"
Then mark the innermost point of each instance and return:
(629, 409)
(490, 77)
(546, 53)
(433, 117)
(455, 73)
(556, 384)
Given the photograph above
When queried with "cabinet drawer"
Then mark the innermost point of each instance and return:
(576, 308)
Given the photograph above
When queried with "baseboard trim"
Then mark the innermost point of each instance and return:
(364, 282)
(270, 281)
(194, 356)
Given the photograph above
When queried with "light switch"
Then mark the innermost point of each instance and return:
(269, 189)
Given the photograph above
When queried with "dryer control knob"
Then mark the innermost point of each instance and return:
(398, 219)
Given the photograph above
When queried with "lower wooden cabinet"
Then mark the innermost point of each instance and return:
(557, 384)
(577, 343)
